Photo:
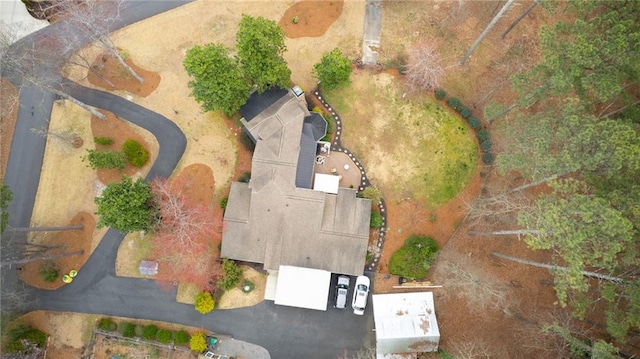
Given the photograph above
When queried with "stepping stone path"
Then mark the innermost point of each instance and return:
(364, 181)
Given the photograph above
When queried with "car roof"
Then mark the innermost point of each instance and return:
(363, 280)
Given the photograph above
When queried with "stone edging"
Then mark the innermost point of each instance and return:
(336, 145)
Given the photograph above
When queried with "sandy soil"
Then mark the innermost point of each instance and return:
(236, 298)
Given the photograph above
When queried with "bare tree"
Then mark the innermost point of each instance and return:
(67, 138)
(38, 61)
(486, 31)
(424, 70)
(95, 19)
(516, 21)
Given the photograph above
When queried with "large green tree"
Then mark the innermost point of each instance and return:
(333, 69)
(218, 83)
(594, 57)
(127, 206)
(260, 45)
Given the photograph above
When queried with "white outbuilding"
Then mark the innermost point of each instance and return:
(405, 324)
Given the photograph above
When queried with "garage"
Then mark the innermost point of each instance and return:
(299, 287)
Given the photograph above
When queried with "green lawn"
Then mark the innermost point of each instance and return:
(411, 148)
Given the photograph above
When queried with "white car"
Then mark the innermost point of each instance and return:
(360, 295)
(342, 288)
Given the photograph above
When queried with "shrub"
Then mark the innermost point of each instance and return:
(333, 70)
(245, 177)
(135, 153)
(149, 332)
(164, 336)
(105, 141)
(414, 258)
(204, 302)
(21, 333)
(294, 20)
(487, 158)
(139, 330)
(105, 159)
(232, 274)
(376, 220)
(198, 343)
(486, 146)
(182, 337)
(465, 112)
(107, 324)
(223, 202)
(128, 329)
(49, 271)
(474, 122)
(441, 94)
(331, 124)
(371, 193)
(482, 135)
(454, 103)
(317, 109)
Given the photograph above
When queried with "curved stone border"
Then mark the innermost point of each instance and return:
(336, 145)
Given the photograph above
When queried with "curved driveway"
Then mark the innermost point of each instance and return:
(286, 332)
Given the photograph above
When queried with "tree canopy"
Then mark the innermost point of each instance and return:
(333, 69)
(126, 206)
(260, 45)
(218, 82)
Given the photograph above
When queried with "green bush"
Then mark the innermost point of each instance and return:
(198, 343)
(474, 122)
(487, 158)
(149, 332)
(182, 337)
(317, 109)
(245, 177)
(414, 258)
(128, 329)
(164, 336)
(16, 335)
(107, 324)
(49, 271)
(139, 330)
(441, 94)
(482, 135)
(223, 202)
(486, 146)
(105, 159)
(331, 124)
(333, 70)
(247, 286)
(454, 103)
(204, 302)
(376, 220)
(135, 153)
(465, 112)
(232, 274)
(371, 193)
(105, 141)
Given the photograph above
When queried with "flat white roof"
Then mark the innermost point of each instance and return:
(15, 18)
(303, 287)
(405, 315)
(326, 183)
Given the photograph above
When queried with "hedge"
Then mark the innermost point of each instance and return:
(465, 112)
(107, 324)
(232, 274)
(105, 159)
(128, 329)
(441, 94)
(482, 135)
(135, 153)
(197, 343)
(454, 103)
(105, 141)
(486, 146)
(474, 122)
(149, 332)
(164, 336)
(376, 220)
(182, 337)
(49, 271)
(487, 158)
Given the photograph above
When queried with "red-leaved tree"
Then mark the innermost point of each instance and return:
(183, 237)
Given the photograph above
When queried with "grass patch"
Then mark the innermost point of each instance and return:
(413, 147)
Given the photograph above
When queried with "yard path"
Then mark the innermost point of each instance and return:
(372, 30)
(285, 332)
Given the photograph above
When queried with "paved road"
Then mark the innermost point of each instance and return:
(285, 332)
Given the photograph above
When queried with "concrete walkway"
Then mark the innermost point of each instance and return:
(372, 30)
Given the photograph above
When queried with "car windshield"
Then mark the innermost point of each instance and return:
(362, 287)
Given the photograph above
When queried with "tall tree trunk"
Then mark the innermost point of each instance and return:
(615, 112)
(517, 232)
(486, 31)
(40, 258)
(46, 229)
(513, 24)
(556, 267)
(91, 109)
(107, 43)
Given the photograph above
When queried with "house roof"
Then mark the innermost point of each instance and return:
(405, 322)
(277, 219)
(303, 287)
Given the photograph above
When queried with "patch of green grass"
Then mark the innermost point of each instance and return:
(412, 147)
